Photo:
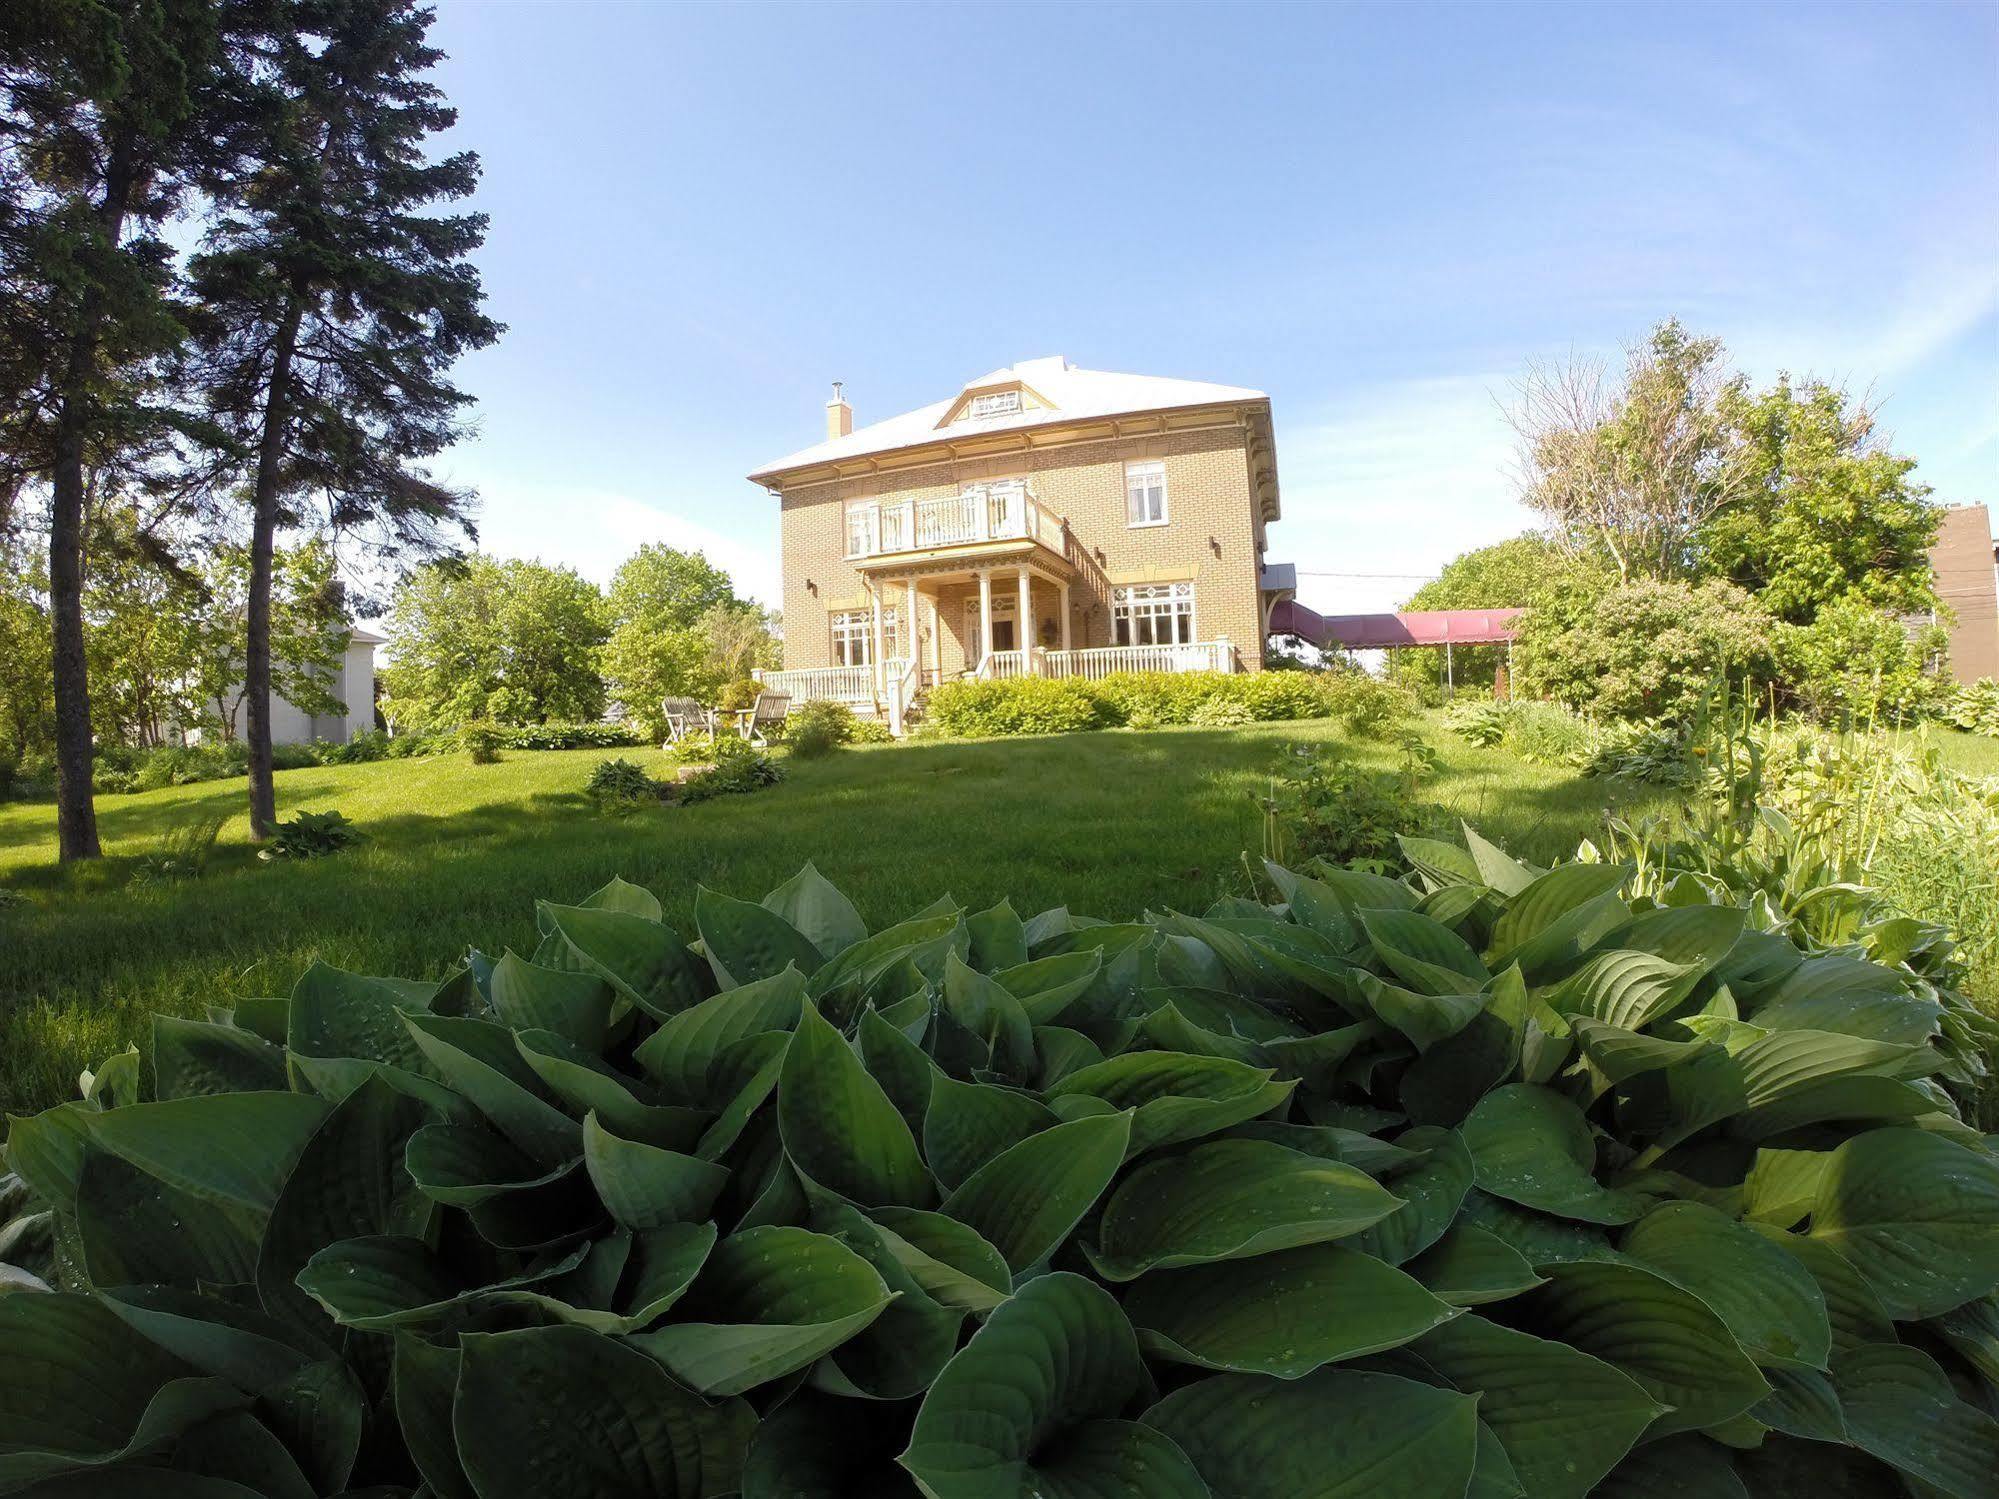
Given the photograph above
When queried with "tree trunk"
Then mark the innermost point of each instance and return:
(76, 812)
(263, 543)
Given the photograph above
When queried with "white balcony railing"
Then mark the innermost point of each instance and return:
(988, 513)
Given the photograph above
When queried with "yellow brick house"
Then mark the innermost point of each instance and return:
(1043, 521)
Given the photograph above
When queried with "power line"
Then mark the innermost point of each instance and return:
(1402, 577)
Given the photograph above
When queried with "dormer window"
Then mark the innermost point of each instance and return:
(999, 403)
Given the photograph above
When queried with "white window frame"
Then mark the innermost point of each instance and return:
(993, 403)
(855, 511)
(1139, 608)
(1145, 492)
(852, 635)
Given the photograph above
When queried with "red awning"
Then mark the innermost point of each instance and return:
(1374, 632)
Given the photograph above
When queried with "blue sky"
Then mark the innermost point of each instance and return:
(701, 215)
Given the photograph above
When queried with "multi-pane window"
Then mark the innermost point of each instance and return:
(1145, 494)
(854, 636)
(1153, 614)
(999, 403)
(863, 529)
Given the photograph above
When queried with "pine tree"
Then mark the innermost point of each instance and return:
(335, 304)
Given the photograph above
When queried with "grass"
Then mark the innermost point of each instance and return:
(1106, 823)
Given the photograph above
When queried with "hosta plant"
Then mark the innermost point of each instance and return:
(1487, 1181)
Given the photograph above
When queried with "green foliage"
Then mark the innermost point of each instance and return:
(481, 743)
(182, 854)
(813, 730)
(1514, 574)
(1856, 664)
(678, 630)
(739, 767)
(740, 693)
(515, 642)
(1027, 705)
(1146, 700)
(1488, 1178)
(621, 784)
(311, 835)
(1975, 708)
(1321, 805)
(1646, 649)
(566, 736)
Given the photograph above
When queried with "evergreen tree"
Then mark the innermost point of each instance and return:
(108, 107)
(335, 303)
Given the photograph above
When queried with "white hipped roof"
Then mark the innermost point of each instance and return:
(1074, 394)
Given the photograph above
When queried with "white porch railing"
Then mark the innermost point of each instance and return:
(1004, 666)
(840, 684)
(1099, 662)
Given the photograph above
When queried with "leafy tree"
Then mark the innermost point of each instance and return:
(516, 642)
(1829, 512)
(1856, 664)
(678, 629)
(1516, 573)
(336, 302)
(27, 680)
(309, 631)
(1631, 469)
(1646, 649)
(106, 114)
(142, 632)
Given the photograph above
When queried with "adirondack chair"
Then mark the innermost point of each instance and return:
(684, 716)
(766, 716)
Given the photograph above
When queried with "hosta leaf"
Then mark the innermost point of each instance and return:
(999, 938)
(1470, 1266)
(1782, 1468)
(900, 1353)
(1850, 996)
(480, 1061)
(746, 942)
(1331, 1435)
(989, 1011)
(1855, 1312)
(1432, 1192)
(1629, 990)
(847, 975)
(1662, 1336)
(1360, 890)
(1538, 1238)
(131, 1227)
(1287, 1315)
(1801, 1403)
(234, 1448)
(1496, 868)
(1551, 916)
(1046, 987)
(462, 1165)
(563, 1413)
(1900, 1406)
(642, 959)
(1027, 1406)
(948, 1259)
(969, 1123)
(643, 1186)
(234, 1148)
(1532, 1146)
(1176, 1096)
(1766, 1298)
(1618, 1055)
(380, 1282)
(1973, 1330)
(531, 998)
(840, 1128)
(616, 894)
(194, 1058)
(683, 1054)
(1231, 1199)
(1425, 954)
(1916, 1215)
(337, 1014)
(813, 1447)
(812, 904)
(768, 1301)
(1427, 1020)
(1689, 1466)
(1564, 1418)
(424, 1381)
(1701, 935)
(1027, 1199)
(584, 1083)
(1443, 864)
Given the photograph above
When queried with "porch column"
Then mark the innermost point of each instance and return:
(985, 612)
(881, 680)
(937, 636)
(1064, 597)
(912, 634)
(1024, 630)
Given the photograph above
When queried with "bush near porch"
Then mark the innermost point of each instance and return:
(1144, 700)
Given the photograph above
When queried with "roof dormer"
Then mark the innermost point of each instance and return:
(1000, 395)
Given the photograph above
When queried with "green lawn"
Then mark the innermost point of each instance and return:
(1106, 823)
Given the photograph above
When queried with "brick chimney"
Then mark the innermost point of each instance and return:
(839, 415)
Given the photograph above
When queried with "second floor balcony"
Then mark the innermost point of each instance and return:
(970, 522)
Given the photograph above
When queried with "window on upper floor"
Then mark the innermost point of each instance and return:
(1145, 494)
(998, 403)
(1153, 614)
(863, 529)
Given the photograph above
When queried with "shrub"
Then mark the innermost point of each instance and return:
(481, 742)
(311, 835)
(1324, 806)
(739, 767)
(1028, 705)
(818, 728)
(1646, 650)
(1480, 721)
(564, 736)
(1581, 1180)
(1663, 754)
(114, 782)
(1223, 711)
(741, 693)
(1546, 734)
(871, 731)
(1975, 708)
(621, 784)
(1366, 705)
(1856, 664)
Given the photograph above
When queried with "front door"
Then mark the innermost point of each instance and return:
(1006, 634)
(1003, 635)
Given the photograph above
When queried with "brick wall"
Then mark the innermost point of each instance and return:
(1962, 558)
(1211, 537)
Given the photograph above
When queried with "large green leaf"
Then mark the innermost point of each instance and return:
(1231, 1199)
(683, 1054)
(840, 1128)
(814, 1447)
(563, 1413)
(234, 1148)
(1029, 1405)
(642, 959)
(424, 1381)
(1665, 1338)
(480, 1061)
(1470, 1266)
(1917, 1215)
(194, 1058)
(527, 997)
(1900, 1406)
(1564, 1418)
(1027, 1199)
(768, 1301)
(1689, 1466)
(967, 1124)
(1425, 954)
(989, 1011)
(1768, 1300)
(1285, 1315)
(1532, 1146)
(643, 1186)
(746, 942)
(811, 903)
(1046, 987)
(1626, 989)
(1432, 1193)
(1553, 917)
(1331, 1435)
(1176, 1096)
